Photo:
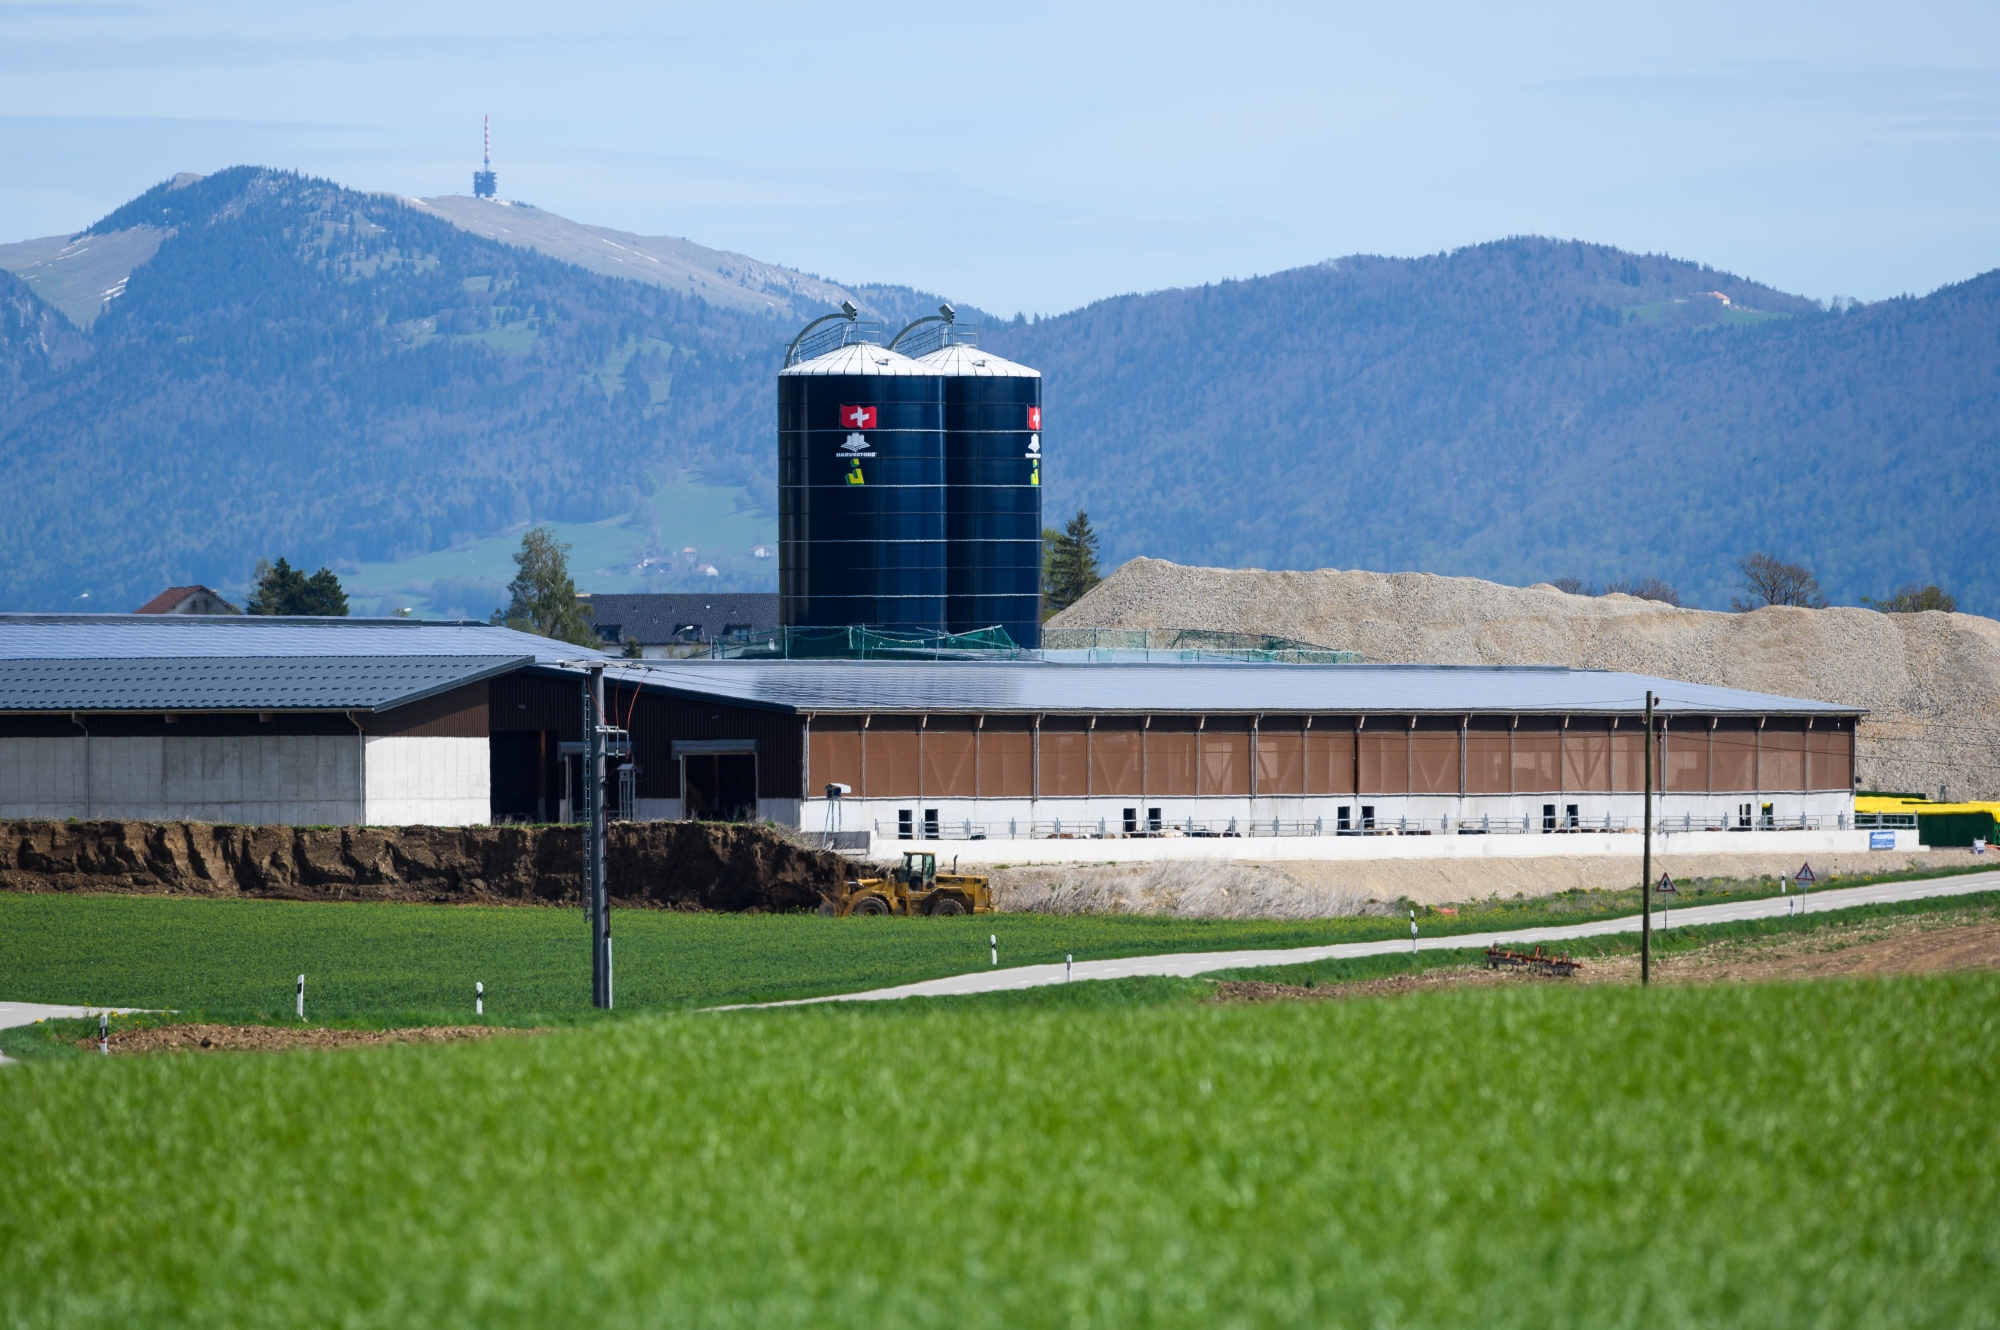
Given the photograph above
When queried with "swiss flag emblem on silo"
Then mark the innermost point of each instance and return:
(1034, 417)
(857, 417)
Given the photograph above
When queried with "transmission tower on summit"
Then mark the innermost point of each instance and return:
(484, 183)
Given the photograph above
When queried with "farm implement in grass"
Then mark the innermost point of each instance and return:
(1535, 962)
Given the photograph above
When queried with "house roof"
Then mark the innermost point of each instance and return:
(652, 618)
(165, 602)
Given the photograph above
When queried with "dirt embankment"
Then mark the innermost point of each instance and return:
(279, 1038)
(1872, 949)
(664, 865)
(1931, 682)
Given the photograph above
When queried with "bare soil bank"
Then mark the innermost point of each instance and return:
(1871, 950)
(664, 865)
(280, 1038)
(1931, 681)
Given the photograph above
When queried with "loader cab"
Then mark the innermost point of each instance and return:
(920, 871)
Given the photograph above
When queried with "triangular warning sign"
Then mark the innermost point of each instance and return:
(1805, 874)
(1666, 882)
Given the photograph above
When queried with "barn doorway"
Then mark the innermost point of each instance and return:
(719, 787)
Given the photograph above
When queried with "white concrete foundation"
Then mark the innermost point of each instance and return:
(1279, 849)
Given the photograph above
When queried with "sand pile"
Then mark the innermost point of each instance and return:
(1931, 681)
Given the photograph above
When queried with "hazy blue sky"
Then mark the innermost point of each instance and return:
(1035, 157)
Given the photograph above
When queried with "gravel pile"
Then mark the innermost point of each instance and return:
(1182, 890)
(1931, 681)
(1321, 889)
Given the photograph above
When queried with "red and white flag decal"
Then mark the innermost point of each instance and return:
(857, 417)
(1034, 417)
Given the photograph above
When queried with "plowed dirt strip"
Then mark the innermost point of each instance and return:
(1924, 945)
(278, 1038)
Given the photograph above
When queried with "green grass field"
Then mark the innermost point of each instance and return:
(238, 959)
(1541, 1155)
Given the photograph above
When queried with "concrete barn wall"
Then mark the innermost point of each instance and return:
(295, 780)
(287, 778)
(428, 781)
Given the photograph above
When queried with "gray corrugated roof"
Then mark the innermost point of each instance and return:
(108, 636)
(238, 683)
(1213, 689)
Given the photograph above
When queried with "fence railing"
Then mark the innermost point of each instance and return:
(1108, 828)
(1885, 821)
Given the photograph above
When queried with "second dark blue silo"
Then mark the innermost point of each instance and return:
(993, 491)
(861, 497)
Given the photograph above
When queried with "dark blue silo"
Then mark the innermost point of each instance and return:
(861, 496)
(993, 490)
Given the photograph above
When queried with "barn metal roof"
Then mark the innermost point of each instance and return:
(239, 683)
(133, 636)
(169, 662)
(1044, 687)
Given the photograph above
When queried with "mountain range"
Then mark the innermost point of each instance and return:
(259, 363)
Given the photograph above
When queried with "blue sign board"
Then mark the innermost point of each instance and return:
(1881, 840)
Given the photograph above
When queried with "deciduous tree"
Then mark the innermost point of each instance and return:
(543, 595)
(1769, 580)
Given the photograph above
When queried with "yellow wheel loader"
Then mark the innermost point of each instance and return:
(914, 888)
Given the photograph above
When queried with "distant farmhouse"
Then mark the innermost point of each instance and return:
(188, 600)
(665, 626)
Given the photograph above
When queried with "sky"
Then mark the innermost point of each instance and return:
(1037, 156)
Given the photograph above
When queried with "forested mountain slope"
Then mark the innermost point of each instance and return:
(339, 377)
(1532, 409)
(305, 368)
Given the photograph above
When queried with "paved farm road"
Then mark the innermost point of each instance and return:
(1187, 964)
(27, 1013)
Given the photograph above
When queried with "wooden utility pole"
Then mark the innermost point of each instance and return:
(1646, 855)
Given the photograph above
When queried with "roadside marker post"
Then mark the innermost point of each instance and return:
(478, 997)
(302, 997)
(1413, 932)
(1646, 869)
(104, 1033)
(1069, 963)
(993, 940)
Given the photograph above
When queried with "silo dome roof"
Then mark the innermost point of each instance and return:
(959, 360)
(859, 358)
